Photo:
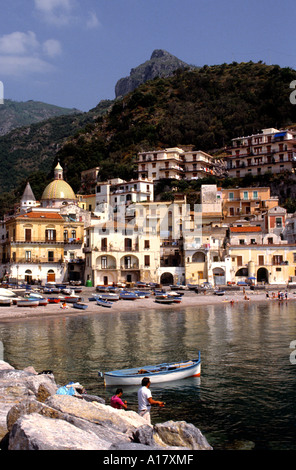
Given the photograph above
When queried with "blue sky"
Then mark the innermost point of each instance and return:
(72, 52)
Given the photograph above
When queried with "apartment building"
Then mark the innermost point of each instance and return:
(272, 151)
(175, 163)
(117, 252)
(246, 202)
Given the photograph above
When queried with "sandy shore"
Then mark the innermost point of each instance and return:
(189, 299)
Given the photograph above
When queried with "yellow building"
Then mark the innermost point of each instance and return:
(43, 243)
(34, 247)
(269, 264)
(246, 202)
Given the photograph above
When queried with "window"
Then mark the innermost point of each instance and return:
(255, 194)
(278, 222)
(231, 196)
(50, 235)
(28, 235)
(147, 260)
(277, 259)
(104, 244)
(146, 244)
(50, 255)
(246, 195)
(104, 262)
(28, 255)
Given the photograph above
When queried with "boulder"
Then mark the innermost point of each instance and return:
(34, 417)
(120, 420)
(180, 434)
(36, 432)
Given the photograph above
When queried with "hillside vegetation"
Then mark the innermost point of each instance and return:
(204, 107)
(15, 114)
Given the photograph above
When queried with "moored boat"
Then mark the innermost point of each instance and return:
(54, 300)
(142, 294)
(110, 297)
(72, 299)
(126, 295)
(219, 292)
(28, 303)
(80, 306)
(5, 301)
(164, 299)
(157, 373)
(104, 303)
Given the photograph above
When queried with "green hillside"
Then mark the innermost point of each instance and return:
(15, 114)
(204, 107)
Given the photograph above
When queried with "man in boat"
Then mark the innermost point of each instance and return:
(145, 400)
(116, 401)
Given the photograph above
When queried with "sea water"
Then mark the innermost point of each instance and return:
(245, 397)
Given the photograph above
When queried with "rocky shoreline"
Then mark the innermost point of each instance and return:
(34, 417)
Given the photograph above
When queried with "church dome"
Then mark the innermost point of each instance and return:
(58, 189)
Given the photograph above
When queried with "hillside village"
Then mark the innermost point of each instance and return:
(119, 234)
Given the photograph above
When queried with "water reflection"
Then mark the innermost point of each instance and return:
(247, 384)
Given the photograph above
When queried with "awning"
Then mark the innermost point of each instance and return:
(280, 134)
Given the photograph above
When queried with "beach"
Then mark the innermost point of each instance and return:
(189, 299)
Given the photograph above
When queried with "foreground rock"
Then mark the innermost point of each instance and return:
(34, 417)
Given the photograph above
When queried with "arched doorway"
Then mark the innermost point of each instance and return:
(50, 276)
(262, 275)
(219, 276)
(167, 279)
(28, 276)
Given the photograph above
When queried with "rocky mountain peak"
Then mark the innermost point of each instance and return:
(161, 64)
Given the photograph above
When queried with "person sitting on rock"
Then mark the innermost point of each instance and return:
(116, 401)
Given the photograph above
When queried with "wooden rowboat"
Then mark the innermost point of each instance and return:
(5, 301)
(28, 303)
(104, 303)
(164, 299)
(80, 306)
(53, 300)
(157, 373)
(126, 295)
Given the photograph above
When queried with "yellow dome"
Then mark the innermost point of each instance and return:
(58, 189)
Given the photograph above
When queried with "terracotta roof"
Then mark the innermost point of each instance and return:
(40, 215)
(245, 229)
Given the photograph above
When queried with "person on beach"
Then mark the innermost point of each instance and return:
(145, 400)
(116, 401)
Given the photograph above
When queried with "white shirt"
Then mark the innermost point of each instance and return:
(143, 394)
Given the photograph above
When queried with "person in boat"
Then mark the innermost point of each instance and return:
(116, 401)
(145, 400)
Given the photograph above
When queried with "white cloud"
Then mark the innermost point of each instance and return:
(20, 66)
(57, 12)
(22, 53)
(92, 21)
(18, 43)
(52, 48)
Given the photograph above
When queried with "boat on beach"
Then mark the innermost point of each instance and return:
(164, 299)
(126, 295)
(80, 306)
(158, 373)
(104, 303)
(54, 300)
(28, 303)
(5, 301)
